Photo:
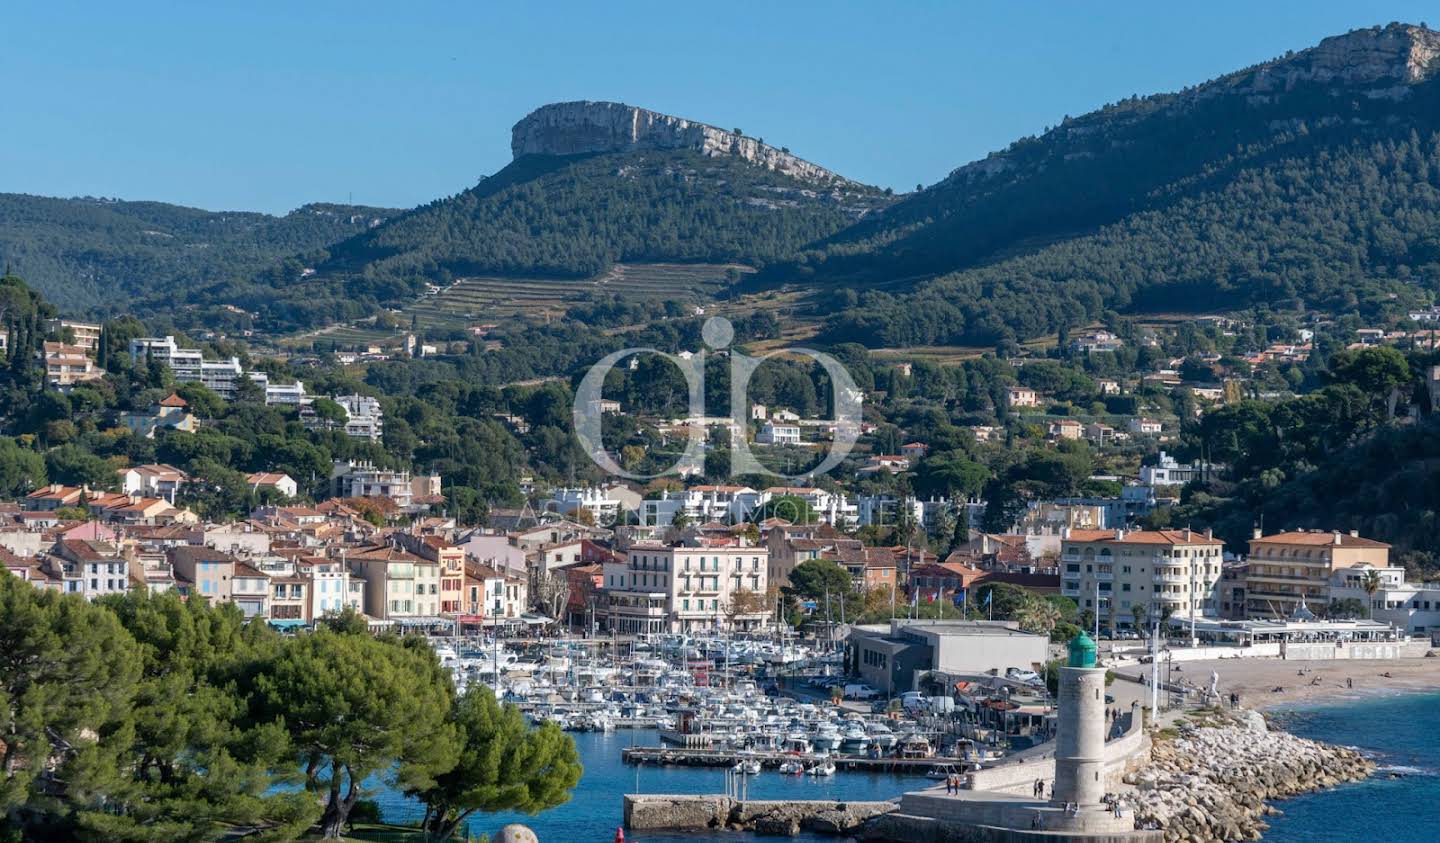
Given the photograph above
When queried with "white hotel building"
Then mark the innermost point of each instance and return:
(659, 588)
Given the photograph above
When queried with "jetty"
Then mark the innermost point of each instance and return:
(664, 756)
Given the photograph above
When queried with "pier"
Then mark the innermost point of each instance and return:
(665, 756)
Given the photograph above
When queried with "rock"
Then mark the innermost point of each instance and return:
(572, 128)
(516, 833)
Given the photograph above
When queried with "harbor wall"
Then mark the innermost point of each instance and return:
(907, 828)
(1019, 775)
(668, 812)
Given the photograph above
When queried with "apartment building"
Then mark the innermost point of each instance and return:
(399, 585)
(67, 365)
(363, 417)
(1123, 575)
(663, 588)
(700, 504)
(85, 335)
(89, 567)
(189, 365)
(1288, 568)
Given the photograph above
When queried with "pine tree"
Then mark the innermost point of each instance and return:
(505, 765)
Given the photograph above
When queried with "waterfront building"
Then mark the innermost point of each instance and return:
(1122, 575)
(399, 586)
(892, 657)
(1287, 568)
(683, 588)
(1410, 607)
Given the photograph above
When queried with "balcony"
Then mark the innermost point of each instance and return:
(1172, 578)
(1103, 576)
(1070, 588)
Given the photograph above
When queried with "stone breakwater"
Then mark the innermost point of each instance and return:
(1212, 782)
(719, 813)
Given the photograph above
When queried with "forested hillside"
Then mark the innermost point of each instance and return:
(99, 255)
(1290, 182)
(568, 217)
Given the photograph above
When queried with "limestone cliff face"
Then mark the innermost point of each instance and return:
(1398, 53)
(570, 128)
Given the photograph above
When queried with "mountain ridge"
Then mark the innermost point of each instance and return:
(589, 126)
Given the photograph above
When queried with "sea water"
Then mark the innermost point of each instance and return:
(1403, 732)
(596, 808)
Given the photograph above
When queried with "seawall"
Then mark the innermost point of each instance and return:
(661, 812)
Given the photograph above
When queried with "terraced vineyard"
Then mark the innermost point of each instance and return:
(471, 299)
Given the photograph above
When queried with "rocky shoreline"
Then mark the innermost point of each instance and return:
(1212, 780)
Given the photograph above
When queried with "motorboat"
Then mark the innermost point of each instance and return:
(749, 767)
(822, 768)
(942, 771)
(854, 741)
(792, 768)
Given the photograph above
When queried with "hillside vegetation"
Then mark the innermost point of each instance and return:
(100, 255)
(1278, 184)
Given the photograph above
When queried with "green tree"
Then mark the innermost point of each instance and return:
(21, 469)
(814, 578)
(504, 765)
(68, 675)
(355, 706)
(198, 767)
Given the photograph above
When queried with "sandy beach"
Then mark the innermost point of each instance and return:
(1256, 679)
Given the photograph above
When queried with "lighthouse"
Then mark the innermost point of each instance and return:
(1080, 728)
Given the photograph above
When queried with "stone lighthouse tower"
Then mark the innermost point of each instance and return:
(1080, 729)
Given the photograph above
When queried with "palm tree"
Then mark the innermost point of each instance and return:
(1037, 615)
(1137, 612)
(1371, 583)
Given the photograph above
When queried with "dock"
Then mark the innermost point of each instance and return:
(665, 756)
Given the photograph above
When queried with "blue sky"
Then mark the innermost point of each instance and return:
(268, 105)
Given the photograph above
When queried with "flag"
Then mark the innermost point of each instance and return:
(987, 596)
(937, 596)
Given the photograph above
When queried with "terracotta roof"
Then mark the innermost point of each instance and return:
(174, 401)
(1317, 538)
(1166, 537)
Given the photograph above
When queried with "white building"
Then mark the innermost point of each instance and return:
(1168, 472)
(660, 588)
(364, 480)
(363, 416)
(1413, 608)
(778, 434)
(829, 507)
(188, 365)
(603, 507)
(700, 504)
(1141, 571)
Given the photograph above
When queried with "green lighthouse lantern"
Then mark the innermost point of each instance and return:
(1082, 651)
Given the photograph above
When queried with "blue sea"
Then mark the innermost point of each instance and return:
(1403, 732)
(595, 809)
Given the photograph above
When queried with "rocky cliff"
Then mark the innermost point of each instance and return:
(570, 128)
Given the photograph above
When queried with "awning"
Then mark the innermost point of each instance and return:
(536, 620)
(424, 621)
(286, 623)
